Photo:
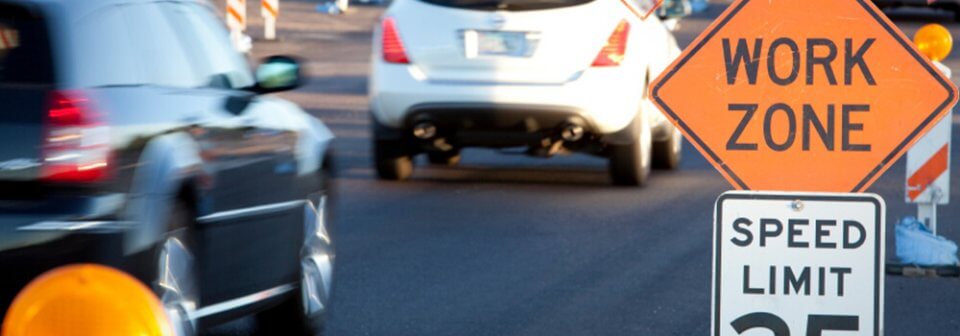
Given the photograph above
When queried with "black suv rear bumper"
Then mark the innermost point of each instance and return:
(23, 264)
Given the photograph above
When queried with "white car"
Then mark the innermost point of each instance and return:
(548, 75)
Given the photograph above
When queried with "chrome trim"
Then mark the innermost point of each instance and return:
(240, 302)
(497, 21)
(252, 211)
(458, 82)
(316, 260)
(76, 226)
(177, 286)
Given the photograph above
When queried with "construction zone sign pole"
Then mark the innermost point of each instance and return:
(819, 97)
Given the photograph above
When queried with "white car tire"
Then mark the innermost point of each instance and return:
(391, 162)
(449, 158)
(630, 164)
(668, 152)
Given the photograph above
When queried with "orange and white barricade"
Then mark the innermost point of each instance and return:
(237, 21)
(270, 10)
(928, 169)
(9, 39)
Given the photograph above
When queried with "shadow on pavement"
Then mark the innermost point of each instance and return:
(347, 85)
(567, 176)
(557, 175)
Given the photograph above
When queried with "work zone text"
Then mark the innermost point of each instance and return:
(822, 127)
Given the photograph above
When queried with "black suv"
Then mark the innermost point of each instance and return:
(136, 137)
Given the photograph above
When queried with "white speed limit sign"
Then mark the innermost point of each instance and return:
(798, 264)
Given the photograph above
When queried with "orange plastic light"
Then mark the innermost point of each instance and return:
(86, 300)
(934, 41)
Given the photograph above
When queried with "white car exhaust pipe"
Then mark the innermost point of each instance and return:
(424, 130)
(572, 133)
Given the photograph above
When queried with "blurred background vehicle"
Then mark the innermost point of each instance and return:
(952, 6)
(550, 76)
(672, 10)
(335, 6)
(135, 136)
(675, 8)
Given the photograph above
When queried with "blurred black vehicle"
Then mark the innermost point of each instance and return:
(952, 6)
(133, 135)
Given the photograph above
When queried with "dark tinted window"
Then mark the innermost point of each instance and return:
(25, 53)
(208, 45)
(103, 52)
(161, 53)
(507, 5)
(130, 45)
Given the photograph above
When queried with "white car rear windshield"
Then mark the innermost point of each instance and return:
(507, 5)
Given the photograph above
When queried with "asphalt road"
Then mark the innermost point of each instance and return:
(510, 245)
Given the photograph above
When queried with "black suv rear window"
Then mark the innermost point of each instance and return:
(508, 5)
(25, 55)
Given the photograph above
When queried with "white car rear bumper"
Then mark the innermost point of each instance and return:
(607, 99)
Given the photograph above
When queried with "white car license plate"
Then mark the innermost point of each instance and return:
(498, 43)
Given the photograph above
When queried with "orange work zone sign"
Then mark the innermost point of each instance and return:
(815, 95)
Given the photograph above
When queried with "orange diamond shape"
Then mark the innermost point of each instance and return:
(832, 97)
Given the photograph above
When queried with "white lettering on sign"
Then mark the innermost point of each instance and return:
(798, 264)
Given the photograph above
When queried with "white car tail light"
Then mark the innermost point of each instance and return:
(615, 50)
(393, 50)
(76, 145)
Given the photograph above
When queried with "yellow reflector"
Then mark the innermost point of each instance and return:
(86, 300)
(934, 41)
